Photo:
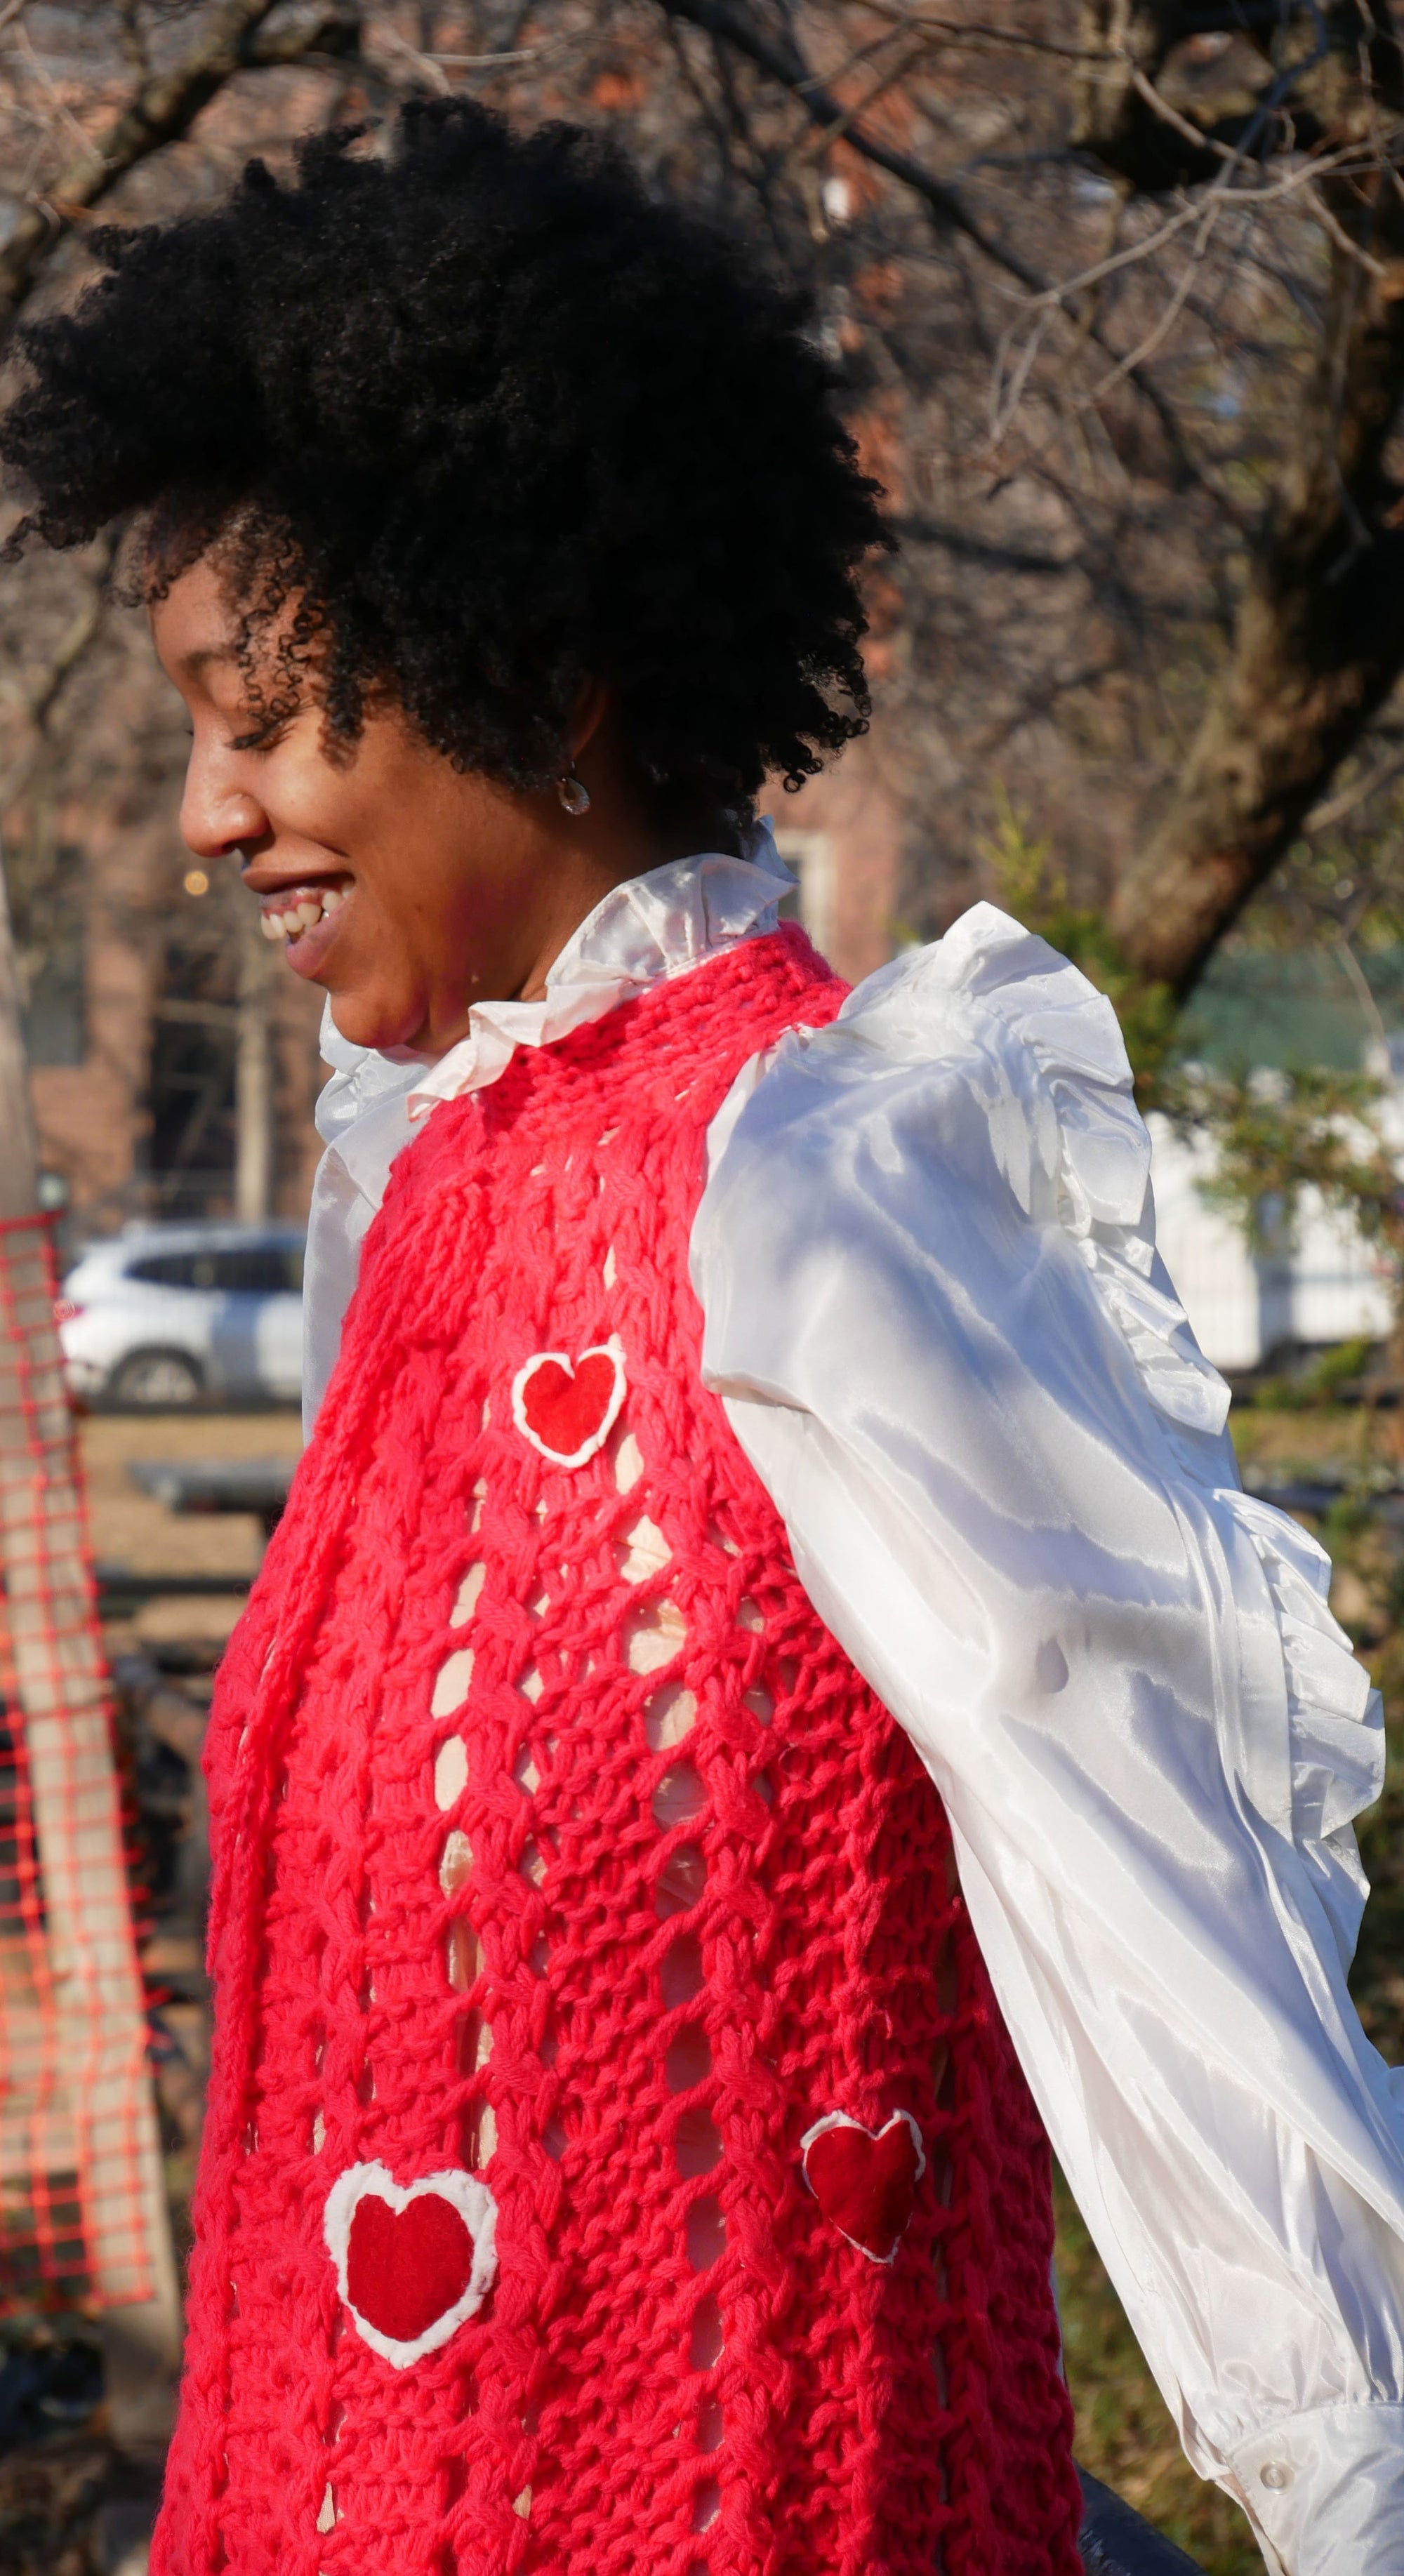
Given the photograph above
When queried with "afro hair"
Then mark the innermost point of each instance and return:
(500, 426)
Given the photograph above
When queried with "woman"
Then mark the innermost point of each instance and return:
(767, 1576)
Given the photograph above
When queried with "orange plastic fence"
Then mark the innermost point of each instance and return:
(78, 2150)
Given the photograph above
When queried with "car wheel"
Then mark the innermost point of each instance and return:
(156, 1382)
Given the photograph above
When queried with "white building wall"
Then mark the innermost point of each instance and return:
(1205, 1252)
(1329, 1287)
(1339, 1286)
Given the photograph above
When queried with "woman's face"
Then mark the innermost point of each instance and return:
(407, 889)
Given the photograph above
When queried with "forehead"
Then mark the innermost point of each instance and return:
(193, 623)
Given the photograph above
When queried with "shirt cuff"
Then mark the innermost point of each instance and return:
(1325, 2491)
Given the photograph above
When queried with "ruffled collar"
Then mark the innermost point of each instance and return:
(642, 933)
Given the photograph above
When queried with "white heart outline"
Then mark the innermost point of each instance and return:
(610, 1350)
(842, 2120)
(478, 2211)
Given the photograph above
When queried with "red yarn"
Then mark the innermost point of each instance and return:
(658, 1888)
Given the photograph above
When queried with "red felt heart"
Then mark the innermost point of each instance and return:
(405, 2267)
(866, 2184)
(414, 2261)
(567, 1408)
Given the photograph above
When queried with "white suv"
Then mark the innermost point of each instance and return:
(169, 1315)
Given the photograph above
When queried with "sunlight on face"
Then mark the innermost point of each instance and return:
(407, 888)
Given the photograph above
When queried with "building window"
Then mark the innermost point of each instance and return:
(809, 856)
(51, 952)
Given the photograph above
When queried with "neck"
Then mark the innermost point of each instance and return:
(622, 834)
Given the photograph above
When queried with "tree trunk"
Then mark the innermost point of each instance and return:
(56, 1654)
(1319, 637)
(253, 1075)
(1112, 118)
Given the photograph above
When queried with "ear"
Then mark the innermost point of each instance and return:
(587, 716)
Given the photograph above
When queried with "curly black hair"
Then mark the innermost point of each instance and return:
(497, 425)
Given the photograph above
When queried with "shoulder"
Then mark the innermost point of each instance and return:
(984, 1061)
(966, 1121)
(988, 1055)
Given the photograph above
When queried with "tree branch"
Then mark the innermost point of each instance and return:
(1122, 119)
(162, 110)
(75, 639)
(1323, 817)
(1319, 633)
(329, 27)
(40, 698)
(782, 62)
(982, 550)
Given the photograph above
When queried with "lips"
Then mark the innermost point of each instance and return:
(306, 917)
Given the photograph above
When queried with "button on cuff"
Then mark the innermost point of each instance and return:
(1325, 2490)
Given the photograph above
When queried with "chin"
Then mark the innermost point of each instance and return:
(371, 1020)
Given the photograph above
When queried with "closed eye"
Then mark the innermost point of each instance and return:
(260, 737)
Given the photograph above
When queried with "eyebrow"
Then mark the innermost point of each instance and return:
(204, 654)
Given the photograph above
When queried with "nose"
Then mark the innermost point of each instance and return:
(219, 813)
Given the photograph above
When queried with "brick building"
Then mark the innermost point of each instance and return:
(138, 1005)
(842, 836)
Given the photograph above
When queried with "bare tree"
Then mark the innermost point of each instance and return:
(1115, 285)
(1318, 638)
(1205, 398)
(160, 106)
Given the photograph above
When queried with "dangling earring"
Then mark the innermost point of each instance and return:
(573, 793)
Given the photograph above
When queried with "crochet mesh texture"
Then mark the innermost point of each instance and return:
(557, 1838)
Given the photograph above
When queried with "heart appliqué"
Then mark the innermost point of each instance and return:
(865, 2182)
(412, 2263)
(567, 1408)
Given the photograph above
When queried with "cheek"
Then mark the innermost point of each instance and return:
(327, 804)
(309, 805)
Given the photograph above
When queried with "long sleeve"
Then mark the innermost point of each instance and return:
(934, 1311)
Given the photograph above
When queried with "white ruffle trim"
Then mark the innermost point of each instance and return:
(1335, 1747)
(1051, 1064)
(1066, 1130)
(1337, 1734)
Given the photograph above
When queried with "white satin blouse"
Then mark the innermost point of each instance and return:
(941, 1332)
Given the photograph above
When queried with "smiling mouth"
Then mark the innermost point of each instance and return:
(294, 910)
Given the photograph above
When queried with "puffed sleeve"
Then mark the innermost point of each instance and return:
(943, 1335)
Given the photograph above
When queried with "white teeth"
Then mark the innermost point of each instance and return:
(309, 908)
